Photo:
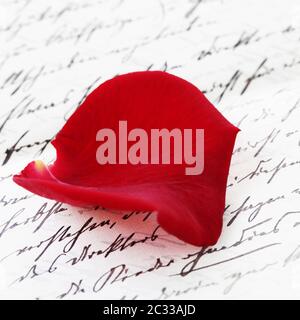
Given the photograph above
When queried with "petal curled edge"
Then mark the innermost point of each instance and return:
(189, 207)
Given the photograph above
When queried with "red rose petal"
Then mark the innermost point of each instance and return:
(189, 206)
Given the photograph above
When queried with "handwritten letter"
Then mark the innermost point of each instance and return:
(244, 55)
